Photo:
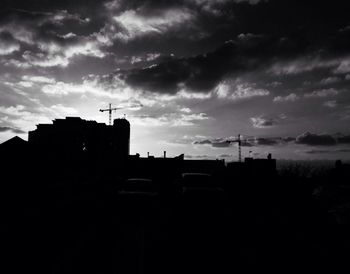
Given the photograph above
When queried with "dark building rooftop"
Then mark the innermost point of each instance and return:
(74, 135)
(13, 143)
(13, 149)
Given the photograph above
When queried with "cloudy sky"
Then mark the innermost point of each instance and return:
(275, 71)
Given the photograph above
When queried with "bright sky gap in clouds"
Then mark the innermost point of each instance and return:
(277, 72)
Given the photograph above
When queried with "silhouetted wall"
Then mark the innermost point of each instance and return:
(75, 137)
(121, 137)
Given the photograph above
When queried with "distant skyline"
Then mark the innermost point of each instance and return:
(275, 71)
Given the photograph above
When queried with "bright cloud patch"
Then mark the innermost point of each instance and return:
(301, 65)
(38, 79)
(330, 80)
(52, 54)
(7, 48)
(322, 93)
(136, 24)
(344, 66)
(289, 98)
(331, 104)
(239, 91)
(23, 118)
(262, 122)
(169, 119)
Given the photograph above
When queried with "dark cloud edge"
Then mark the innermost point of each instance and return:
(306, 138)
(14, 130)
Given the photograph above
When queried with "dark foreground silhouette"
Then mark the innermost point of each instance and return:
(79, 214)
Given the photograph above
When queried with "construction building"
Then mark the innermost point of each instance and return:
(73, 135)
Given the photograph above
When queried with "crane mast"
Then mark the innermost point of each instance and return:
(110, 110)
(239, 141)
(239, 148)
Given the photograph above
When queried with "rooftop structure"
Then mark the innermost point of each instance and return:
(74, 135)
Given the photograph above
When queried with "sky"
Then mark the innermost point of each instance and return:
(275, 71)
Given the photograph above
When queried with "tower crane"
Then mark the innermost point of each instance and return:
(239, 141)
(239, 148)
(110, 110)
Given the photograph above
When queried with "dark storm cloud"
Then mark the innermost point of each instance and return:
(52, 34)
(311, 139)
(198, 156)
(324, 151)
(225, 156)
(203, 72)
(14, 130)
(222, 142)
(203, 142)
(234, 58)
(288, 139)
(47, 34)
(7, 37)
(45, 37)
(40, 24)
(307, 139)
(286, 44)
(44, 6)
(343, 139)
(8, 44)
(216, 51)
(217, 142)
(200, 73)
(317, 151)
(266, 141)
(248, 142)
(250, 23)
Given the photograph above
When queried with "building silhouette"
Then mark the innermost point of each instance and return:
(73, 191)
(74, 136)
(79, 146)
(13, 145)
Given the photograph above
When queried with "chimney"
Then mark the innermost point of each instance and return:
(164, 154)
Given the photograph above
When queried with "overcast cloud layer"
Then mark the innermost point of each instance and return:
(277, 72)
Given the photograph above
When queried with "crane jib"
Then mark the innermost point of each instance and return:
(110, 110)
